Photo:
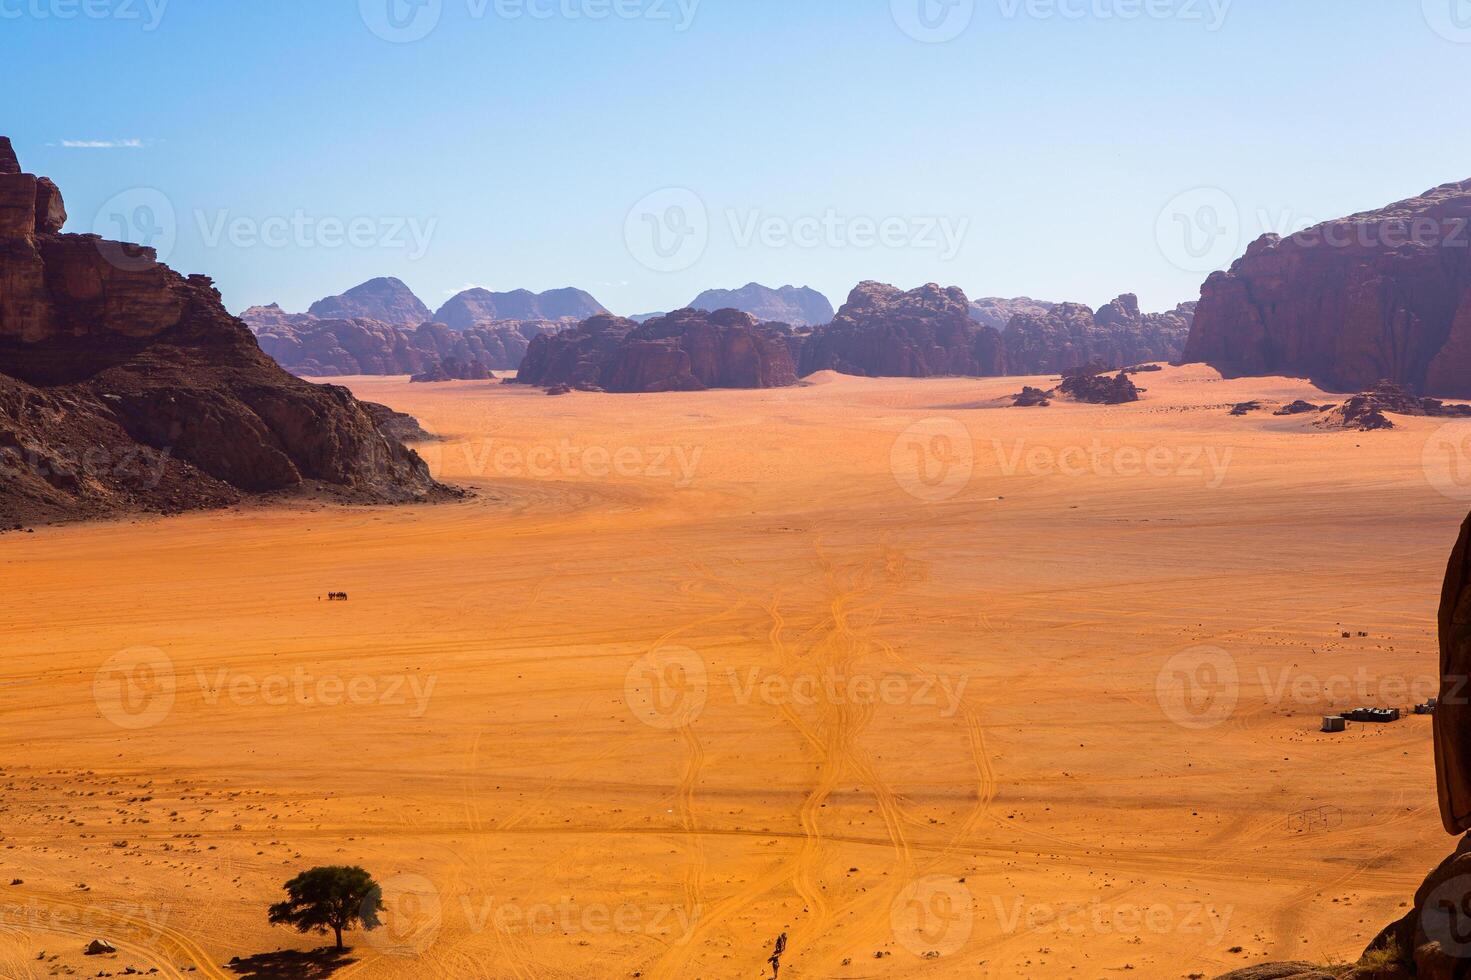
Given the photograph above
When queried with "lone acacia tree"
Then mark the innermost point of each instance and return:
(334, 898)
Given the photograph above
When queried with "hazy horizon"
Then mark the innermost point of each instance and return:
(647, 150)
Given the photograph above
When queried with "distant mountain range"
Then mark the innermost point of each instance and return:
(386, 300)
(798, 306)
(481, 306)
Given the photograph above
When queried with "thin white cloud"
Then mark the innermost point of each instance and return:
(128, 144)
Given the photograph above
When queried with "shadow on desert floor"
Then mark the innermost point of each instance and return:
(290, 964)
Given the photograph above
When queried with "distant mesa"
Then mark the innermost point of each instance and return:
(883, 331)
(689, 350)
(313, 348)
(386, 300)
(125, 386)
(886, 332)
(1382, 294)
(478, 307)
(996, 312)
(797, 306)
(1070, 335)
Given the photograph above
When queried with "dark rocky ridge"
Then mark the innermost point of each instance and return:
(386, 300)
(799, 307)
(126, 386)
(478, 307)
(1382, 294)
(690, 350)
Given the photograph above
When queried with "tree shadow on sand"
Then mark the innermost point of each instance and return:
(290, 964)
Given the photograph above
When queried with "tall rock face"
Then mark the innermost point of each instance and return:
(320, 348)
(1383, 294)
(475, 307)
(797, 306)
(690, 350)
(386, 300)
(885, 332)
(1117, 335)
(124, 386)
(996, 312)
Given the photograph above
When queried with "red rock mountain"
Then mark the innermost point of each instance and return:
(1383, 294)
(124, 385)
(690, 350)
(386, 300)
(885, 332)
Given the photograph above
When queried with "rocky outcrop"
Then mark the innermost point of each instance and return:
(1088, 384)
(454, 369)
(1366, 411)
(690, 350)
(1070, 335)
(882, 331)
(124, 385)
(1383, 294)
(800, 307)
(479, 307)
(314, 348)
(385, 300)
(996, 312)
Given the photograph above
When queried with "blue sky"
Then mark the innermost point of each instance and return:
(1063, 149)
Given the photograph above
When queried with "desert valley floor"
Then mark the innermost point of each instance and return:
(794, 661)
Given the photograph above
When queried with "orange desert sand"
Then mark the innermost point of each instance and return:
(935, 687)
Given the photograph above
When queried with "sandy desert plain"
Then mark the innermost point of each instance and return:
(691, 671)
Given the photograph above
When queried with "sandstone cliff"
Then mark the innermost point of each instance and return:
(690, 350)
(1383, 294)
(124, 385)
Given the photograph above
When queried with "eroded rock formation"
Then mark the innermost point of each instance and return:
(1383, 294)
(124, 385)
(882, 331)
(689, 350)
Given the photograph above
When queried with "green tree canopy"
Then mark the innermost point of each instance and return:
(334, 898)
